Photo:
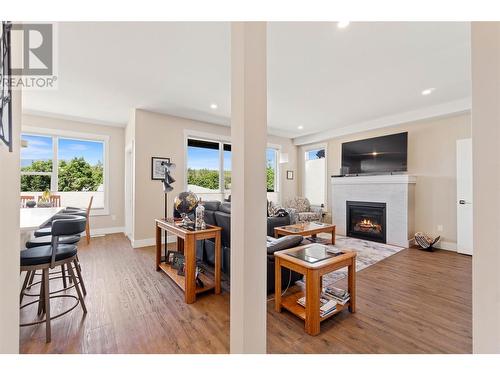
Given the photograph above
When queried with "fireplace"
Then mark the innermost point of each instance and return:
(366, 220)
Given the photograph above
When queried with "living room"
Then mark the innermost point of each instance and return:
(361, 154)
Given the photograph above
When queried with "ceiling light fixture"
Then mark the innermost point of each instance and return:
(214, 106)
(343, 24)
(428, 91)
(300, 127)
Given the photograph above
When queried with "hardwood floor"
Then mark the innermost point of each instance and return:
(412, 302)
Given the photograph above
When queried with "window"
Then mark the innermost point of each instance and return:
(227, 168)
(315, 175)
(36, 163)
(272, 170)
(70, 167)
(209, 168)
(204, 168)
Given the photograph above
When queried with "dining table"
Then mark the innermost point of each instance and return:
(33, 218)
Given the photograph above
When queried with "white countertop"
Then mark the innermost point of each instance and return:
(33, 218)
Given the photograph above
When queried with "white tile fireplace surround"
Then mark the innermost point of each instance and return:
(396, 191)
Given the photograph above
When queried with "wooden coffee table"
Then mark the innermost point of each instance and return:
(313, 273)
(305, 229)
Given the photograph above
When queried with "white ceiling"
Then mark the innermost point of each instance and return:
(319, 76)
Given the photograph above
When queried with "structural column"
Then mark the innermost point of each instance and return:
(248, 187)
(9, 219)
(485, 44)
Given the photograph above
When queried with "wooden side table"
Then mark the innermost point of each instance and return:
(186, 243)
(313, 273)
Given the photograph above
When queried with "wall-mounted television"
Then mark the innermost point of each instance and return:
(380, 155)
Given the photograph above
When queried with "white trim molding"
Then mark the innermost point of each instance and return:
(440, 110)
(376, 179)
(445, 245)
(103, 231)
(151, 241)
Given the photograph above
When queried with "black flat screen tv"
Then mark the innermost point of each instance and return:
(380, 155)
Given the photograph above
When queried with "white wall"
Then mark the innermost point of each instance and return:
(9, 225)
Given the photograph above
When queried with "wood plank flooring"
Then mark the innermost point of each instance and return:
(412, 302)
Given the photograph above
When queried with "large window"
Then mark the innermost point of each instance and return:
(70, 167)
(209, 168)
(315, 175)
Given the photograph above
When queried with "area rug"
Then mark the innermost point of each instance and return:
(368, 253)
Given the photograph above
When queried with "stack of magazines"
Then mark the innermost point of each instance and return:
(327, 305)
(341, 296)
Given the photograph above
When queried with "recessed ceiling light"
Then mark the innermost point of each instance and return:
(428, 91)
(214, 106)
(343, 24)
(300, 127)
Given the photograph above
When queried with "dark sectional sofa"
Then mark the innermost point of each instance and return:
(219, 214)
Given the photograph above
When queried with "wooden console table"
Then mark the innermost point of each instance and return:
(186, 243)
(313, 273)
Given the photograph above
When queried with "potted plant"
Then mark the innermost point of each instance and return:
(44, 200)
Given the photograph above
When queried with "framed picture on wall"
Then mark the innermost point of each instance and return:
(289, 175)
(157, 169)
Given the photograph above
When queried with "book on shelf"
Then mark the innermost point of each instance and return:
(341, 296)
(326, 304)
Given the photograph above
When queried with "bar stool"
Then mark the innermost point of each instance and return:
(63, 240)
(46, 230)
(43, 237)
(45, 258)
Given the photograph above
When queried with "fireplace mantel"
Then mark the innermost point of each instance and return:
(396, 191)
(375, 179)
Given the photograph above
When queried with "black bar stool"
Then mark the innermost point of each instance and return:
(45, 258)
(63, 240)
(46, 230)
(43, 237)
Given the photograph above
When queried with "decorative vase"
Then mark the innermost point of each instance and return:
(200, 216)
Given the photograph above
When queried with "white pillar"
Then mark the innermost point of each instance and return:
(248, 187)
(9, 221)
(485, 43)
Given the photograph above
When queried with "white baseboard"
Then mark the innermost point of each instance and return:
(151, 241)
(103, 231)
(444, 245)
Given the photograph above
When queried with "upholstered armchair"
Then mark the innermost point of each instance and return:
(300, 210)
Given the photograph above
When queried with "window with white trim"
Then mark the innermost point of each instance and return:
(209, 168)
(73, 168)
(315, 175)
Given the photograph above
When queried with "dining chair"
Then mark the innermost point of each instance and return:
(26, 198)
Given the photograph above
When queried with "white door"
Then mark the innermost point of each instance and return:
(464, 196)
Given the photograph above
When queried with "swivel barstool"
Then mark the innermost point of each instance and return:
(45, 258)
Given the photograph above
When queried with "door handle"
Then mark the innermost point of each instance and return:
(463, 201)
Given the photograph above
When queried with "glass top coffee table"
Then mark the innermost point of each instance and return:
(306, 229)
